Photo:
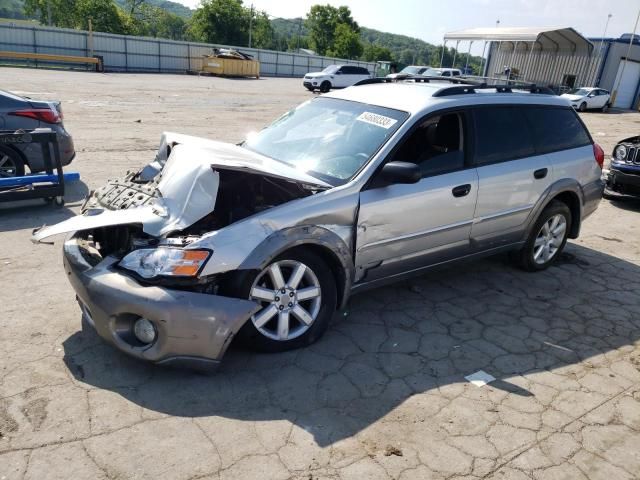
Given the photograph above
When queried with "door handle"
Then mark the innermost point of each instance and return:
(461, 190)
(540, 173)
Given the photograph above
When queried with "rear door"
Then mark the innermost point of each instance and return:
(511, 174)
(560, 135)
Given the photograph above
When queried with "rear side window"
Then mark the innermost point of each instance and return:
(502, 134)
(556, 129)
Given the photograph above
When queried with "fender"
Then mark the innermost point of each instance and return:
(564, 185)
(307, 235)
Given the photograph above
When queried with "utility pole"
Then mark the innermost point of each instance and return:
(49, 12)
(604, 34)
(624, 62)
(250, 24)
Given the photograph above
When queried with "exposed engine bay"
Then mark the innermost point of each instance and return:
(240, 195)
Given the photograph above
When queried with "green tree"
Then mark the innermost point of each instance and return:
(104, 14)
(346, 43)
(220, 21)
(261, 31)
(374, 53)
(61, 13)
(322, 22)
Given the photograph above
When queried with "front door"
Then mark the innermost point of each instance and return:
(404, 227)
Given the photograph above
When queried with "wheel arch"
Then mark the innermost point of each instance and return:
(321, 241)
(568, 191)
(571, 200)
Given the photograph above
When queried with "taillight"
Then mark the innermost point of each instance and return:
(42, 114)
(598, 153)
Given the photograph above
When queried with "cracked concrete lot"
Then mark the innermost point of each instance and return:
(381, 396)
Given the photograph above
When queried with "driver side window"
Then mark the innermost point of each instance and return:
(436, 146)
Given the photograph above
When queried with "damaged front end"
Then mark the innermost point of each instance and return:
(135, 256)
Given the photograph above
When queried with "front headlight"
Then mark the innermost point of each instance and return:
(171, 262)
(620, 153)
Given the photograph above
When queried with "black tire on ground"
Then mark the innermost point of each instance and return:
(249, 334)
(583, 107)
(11, 163)
(525, 256)
(605, 109)
(325, 86)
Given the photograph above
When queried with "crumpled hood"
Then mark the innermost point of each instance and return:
(227, 156)
(187, 182)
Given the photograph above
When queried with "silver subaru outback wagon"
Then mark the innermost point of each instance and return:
(265, 240)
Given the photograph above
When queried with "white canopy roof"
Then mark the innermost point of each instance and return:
(549, 38)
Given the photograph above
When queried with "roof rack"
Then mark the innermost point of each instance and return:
(458, 90)
(462, 85)
(416, 79)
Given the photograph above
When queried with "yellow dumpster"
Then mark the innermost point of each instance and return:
(230, 63)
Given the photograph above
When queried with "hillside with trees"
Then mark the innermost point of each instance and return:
(327, 30)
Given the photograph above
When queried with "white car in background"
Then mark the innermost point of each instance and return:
(443, 72)
(335, 76)
(410, 70)
(588, 98)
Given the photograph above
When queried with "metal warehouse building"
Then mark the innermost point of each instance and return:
(560, 58)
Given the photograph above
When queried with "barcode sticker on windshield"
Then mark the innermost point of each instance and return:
(377, 120)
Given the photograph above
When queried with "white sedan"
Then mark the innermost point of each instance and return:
(588, 98)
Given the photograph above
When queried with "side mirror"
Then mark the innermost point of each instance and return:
(400, 172)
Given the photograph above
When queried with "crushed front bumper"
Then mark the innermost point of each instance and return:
(193, 329)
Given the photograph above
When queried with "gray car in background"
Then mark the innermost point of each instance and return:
(21, 113)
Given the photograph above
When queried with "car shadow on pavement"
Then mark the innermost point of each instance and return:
(38, 212)
(631, 204)
(421, 336)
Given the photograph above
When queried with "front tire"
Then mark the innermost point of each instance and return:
(547, 238)
(297, 292)
(325, 86)
(11, 163)
(583, 107)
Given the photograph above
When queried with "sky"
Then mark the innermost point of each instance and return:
(430, 19)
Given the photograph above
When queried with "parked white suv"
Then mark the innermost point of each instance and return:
(265, 240)
(335, 76)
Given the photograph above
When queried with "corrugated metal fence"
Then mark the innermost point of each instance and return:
(123, 53)
(546, 67)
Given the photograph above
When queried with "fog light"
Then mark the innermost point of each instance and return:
(144, 330)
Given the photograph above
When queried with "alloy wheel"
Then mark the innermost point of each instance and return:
(549, 239)
(291, 297)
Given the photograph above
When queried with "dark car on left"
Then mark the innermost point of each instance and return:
(22, 113)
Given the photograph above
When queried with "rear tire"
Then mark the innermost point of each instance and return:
(605, 109)
(11, 163)
(282, 324)
(547, 238)
(325, 86)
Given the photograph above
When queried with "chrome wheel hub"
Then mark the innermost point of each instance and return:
(549, 239)
(290, 295)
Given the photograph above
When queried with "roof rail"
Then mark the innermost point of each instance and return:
(458, 90)
(416, 79)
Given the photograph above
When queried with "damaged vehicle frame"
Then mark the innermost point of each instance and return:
(265, 240)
